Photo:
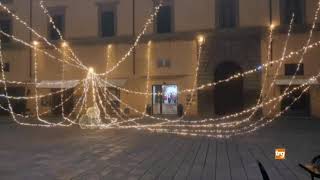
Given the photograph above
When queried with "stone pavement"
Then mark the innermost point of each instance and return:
(72, 153)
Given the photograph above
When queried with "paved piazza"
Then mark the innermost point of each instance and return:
(40, 153)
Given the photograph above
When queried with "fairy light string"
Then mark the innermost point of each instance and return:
(316, 44)
(64, 43)
(137, 40)
(33, 45)
(235, 76)
(18, 19)
(269, 58)
(96, 93)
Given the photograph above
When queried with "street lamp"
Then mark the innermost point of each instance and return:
(64, 44)
(201, 39)
(35, 43)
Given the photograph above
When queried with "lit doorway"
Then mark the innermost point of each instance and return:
(165, 99)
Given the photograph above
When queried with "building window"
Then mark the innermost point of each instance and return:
(164, 20)
(163, 63)
(291, 69)
(107, 14)
(108, 24)
(6, 27)
(288, 7)
(58, 17)
(227, 13)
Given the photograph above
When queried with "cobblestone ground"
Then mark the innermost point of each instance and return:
(72, 153)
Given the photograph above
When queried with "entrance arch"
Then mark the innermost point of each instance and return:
(228, 97)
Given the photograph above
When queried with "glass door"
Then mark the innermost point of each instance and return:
(165, 99)
(170, 99)
(156, 99)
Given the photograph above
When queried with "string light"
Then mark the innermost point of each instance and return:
(34, 97)
(6, 93)
(37, 49)
(36, 93)
(108, 58)
(84, 100)
(135, 44)
(272, 27)
(91, 70)
(35, 43)
(64, 44)
(236, 122)
(148, 76)
(233, 77)
(43, 113)
(17, 18)
(222, 133)
(94, 82)
(304, 52)
(201, 39)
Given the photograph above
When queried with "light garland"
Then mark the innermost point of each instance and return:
(269, 58)
(235, 76)
(108, 57)
(36, 94)
(17, 18)
(84, 100)
(137, 40)
(200, 42)
(228, 124)
(222, 133)
(6, 93)
(148, 75)
(43, 113)
(108, 100)
(34, 47)
(64, 43)
(94, 82)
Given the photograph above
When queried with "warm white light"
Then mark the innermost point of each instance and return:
(272, 26)
(64, 44)
(35, 43)
(201, 39)
(91, 70)
(93, 82)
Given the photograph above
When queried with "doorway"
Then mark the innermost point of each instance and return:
(228, 96)
(299, 108)
(165, 99)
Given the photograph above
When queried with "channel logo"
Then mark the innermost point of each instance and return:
(280, 154)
